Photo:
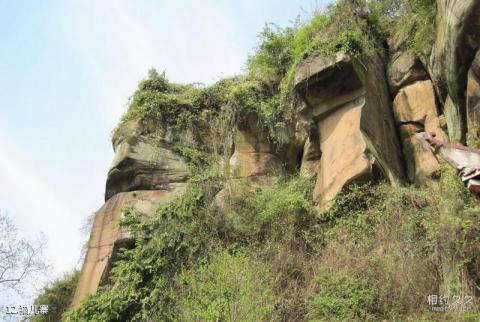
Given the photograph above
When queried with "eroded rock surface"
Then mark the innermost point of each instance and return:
(106, 236)
(415, 111)
(404, 69)
(143, 162)
(473, 98)
(253, 153)
(454, 120)
(457, 41)
(357, 137)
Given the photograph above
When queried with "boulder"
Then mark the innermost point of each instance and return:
(457, 41)
(415, 111)
(349, 103)
(106, 236)
(253, 152)
(473, 99)
(143, 162)
(404, 69)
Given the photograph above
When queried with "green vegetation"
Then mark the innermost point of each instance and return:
(343, 298)
(263, 252)
(376, 254)
(57, 295)
(416, 25)
(229, 288)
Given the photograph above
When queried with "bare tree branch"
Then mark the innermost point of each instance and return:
(20, 259)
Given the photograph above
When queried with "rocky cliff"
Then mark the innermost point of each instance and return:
(344, 112)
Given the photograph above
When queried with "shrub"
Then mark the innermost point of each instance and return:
(57, 295)
(144, 277)
(275, 213)
(342, 298)
(229, 288)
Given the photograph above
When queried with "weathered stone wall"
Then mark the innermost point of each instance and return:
(143, 162)
(253, 152)
(415, 111)
(473, 99)
(351, 109)
(457, 41)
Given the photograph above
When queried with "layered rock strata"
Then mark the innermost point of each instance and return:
(143, 162)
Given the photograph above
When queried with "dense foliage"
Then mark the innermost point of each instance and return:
(376, 254)
(58, 296)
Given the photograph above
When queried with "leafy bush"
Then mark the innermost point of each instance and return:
(404, 244)
(144, 277)
(57, 295)
(278, 212)
(416, 24)
(229, 288)
(342, 298)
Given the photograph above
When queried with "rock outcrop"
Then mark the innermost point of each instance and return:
(454, 120)
(415, 111)
(358, 121)
(404, 69)
(145, 173)
(253, 152)
(457, 41)
(143, 162)
(473, 99)
(106, 236)
(350, 107)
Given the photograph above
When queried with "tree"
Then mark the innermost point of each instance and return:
(20, 259)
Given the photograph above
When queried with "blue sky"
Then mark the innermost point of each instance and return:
(67, 69)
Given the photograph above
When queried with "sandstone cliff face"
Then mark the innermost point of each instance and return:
(457, 41)
(143, 162)
(350, 108)
(253, 152)
(473, 98)
(416, 111)
(404, 69)
(359, 121)
(144, 174)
